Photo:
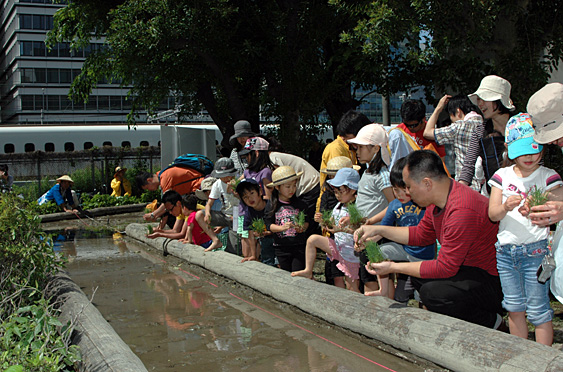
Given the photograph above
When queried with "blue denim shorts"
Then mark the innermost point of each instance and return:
(517, 266)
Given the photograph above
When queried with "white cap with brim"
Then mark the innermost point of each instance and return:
(546, 108)
(375, 135)
(493, 88)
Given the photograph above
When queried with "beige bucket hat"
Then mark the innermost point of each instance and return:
(493, 88)
(337, 163)
(283, 174)
(546, 108)
(206, 185)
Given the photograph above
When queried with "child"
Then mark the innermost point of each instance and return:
(289, 239)
(374, 188)
(401, 212)
(333, 275)
(341, 248)
(250, 194)
(172, 202)
(195, 234)
(521, 246)
(224, 170)
(259, 164)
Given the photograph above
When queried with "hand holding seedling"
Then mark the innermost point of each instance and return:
(512, 202)
(381, 268)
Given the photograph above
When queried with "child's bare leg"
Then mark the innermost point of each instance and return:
(249, 249)
(315, 241)
(544, 333)
(216, 243)
(383, 287)
(352, 285)
(517, 324)
(339, 282)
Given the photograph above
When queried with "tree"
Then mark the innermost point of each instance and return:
(449, 46)
(236, 59)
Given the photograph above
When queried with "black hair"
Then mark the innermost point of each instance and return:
(4, 168)
(171, 197)
(260, 161)
(275, 201)
(502, 108)
(275, 144)
(376, 163)
(244, 187)
(396, 174)
(425, 163)
(189, 201)
(462, 102)
(413, 109)
(351, 123)
(142, 178)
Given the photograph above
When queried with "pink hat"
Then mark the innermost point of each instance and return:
(374, 134)
(254, 143)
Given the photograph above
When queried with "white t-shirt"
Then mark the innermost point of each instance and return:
(515, 228)
(219, 192)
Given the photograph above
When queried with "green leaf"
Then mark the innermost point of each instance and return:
(17, 368)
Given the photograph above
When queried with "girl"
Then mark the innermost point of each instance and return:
(341, 248)
(260, 166)
(374, 189)
(289, 239)
(521, 246)
(487, 141)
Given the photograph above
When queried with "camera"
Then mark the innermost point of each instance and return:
(546, 268)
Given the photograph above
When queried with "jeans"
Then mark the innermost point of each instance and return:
(517, 266)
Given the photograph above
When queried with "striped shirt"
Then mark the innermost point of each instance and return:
(464, 230)
(459, 134)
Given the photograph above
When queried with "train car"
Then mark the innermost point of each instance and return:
(60, 138)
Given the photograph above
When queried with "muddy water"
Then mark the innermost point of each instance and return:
(178, 317)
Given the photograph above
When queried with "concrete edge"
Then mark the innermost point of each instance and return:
(446, 341)
(102, 211)
(101, 347)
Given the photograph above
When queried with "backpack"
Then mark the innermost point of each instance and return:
(491, 152)
(196, 162)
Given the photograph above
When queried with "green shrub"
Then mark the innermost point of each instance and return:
(83, 180)
(31, 190)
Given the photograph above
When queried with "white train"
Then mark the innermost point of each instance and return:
(60, 138)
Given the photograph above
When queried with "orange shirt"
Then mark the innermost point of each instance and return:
(175, 178)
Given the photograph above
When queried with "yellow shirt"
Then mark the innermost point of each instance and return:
(338, 147)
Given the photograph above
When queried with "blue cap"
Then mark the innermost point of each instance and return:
(243, 181)
(519, 136)
(346, 177)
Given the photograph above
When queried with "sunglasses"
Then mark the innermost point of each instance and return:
(412, 126)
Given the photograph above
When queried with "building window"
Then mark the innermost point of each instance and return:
(29, 147)
(38, 22)
(49, 147)
(26, 48)
(92, 103)
(88, 145)
(65, 75)
(27, 102)
(40, 75)
(53, 75)
(144, 143)
(107, 143)
(25, 22)
(53, 102)
(125, 144)
(54, 51)
(64, 50)
(115, 103)
(27, 75)
(39, 102)
(9, 148)
(103, 102)
(69, 146)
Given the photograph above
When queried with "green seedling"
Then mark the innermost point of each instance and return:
(326, 220)
(258, 226)
(150, 229)
(356, 217)
(374, 252)
(299, 220)
(536, 196)
(234, 183)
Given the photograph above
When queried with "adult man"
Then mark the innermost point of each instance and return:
(409, 135)
(180, 179)
(347, 129)
(462, 281)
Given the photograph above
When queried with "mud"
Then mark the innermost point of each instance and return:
(177, 317)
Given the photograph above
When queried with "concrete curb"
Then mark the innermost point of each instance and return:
(101, 348)
(449, 342)
(103, 211)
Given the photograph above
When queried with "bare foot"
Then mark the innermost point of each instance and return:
(303, 273)
(373, 293)
(251, 258)
(215, 245)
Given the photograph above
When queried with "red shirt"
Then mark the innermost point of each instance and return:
(421, 141)
(198, 236)
(464, 230)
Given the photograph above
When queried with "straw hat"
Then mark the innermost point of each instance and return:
(282, 175)
(337, 163)
(546, 108)
(119, 169)
(493, 88)
(65, 178)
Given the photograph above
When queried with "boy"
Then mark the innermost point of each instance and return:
(250, 194)
(402, 212)
(221, 190)
(171, 200)
(195, 234)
